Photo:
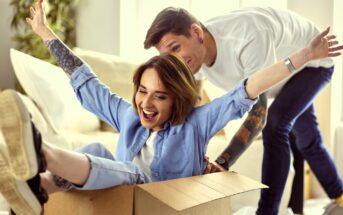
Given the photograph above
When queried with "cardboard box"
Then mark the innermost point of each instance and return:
(206, 194)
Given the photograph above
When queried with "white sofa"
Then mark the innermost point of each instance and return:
(63, 122)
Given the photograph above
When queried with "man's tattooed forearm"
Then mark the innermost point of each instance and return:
(63, 55)
(250, 128)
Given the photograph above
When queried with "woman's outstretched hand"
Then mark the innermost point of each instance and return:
(324, 45)
(38, 21)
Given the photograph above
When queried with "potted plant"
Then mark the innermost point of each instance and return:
(60, 16)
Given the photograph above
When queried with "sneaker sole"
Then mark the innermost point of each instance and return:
(17, 193)
(15, 124)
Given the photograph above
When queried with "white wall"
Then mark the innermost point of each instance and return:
(337, 82)
(98, 24)
(6, 71)
(337, 88)
(329, 102)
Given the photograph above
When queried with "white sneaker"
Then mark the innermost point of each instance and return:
(333, 209)
(17, 193)
(16, 128)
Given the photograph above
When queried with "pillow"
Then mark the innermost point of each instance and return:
(48, 131)
(49, 87)
(36, 116)
(113, 71)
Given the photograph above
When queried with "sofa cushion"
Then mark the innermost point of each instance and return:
(112, 70)
(36, 116)
(50, 89)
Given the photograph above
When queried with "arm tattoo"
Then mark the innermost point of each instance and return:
(250, 128)
(62, 183)
(67, 60)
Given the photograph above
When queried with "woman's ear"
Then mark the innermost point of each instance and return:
(198, 32)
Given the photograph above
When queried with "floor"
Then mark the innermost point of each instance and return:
(315, 206)
(311, 207)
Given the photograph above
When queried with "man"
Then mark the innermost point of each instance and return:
(229, 48)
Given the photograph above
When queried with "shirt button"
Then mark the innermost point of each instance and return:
(156, 174)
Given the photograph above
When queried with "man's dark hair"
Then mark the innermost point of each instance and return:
(170, 20)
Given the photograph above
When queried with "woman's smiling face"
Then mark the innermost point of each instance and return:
(154, 103)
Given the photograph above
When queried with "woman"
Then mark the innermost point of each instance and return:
(162, 135)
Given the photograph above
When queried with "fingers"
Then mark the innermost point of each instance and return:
(330, 37)
(337, 48)
(334, 54)
(29, 21)
(322, 34)
(218, 167)
(332, 43)
(39, 4)
(324, 45)
(208, 169)
(32, 11)
(335, 51)
(211, 168)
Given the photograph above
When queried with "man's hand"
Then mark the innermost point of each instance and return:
(212, 167)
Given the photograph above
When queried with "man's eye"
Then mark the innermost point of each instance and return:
(142, 91)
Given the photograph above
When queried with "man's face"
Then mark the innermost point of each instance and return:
(189, 48)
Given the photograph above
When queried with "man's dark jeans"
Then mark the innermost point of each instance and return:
(293, 112)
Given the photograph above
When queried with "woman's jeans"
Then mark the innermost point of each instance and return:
(106, 171)
(293, 112)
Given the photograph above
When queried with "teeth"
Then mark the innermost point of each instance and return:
(148, 112)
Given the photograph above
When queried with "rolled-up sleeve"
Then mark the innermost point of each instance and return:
(213, 116)
(97, 98)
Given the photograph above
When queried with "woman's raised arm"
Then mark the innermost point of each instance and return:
(322, 46)
(67, 60)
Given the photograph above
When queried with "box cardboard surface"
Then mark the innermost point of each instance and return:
(198, 195)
